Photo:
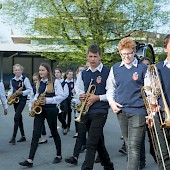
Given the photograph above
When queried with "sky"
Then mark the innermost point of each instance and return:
(5, 29)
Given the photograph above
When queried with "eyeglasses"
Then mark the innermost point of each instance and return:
(126, 54)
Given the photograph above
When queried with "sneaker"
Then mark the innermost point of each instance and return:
(26, 163)
(75, 136)
(22, 139)
(12, 141)
(57, 159)
(71, 160)
(43, 141)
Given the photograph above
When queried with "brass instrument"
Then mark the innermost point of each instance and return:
(37, 108)
(82, 108)
(155, 89)
(14, 97)
(158, 92)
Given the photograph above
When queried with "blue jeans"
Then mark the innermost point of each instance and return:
(133, 128)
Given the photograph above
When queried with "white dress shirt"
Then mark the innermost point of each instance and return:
(111, 84)
(79, 85)
(65, 88)
(27, 84)
(59, 94)
(2, 96)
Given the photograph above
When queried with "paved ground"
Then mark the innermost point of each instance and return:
(10, 155)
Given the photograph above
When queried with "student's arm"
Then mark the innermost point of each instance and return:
(110, 93)
(59, 94)
(28, 87)
(3, 98)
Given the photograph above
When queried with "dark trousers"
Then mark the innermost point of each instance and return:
(163, 146)
(80, 140)
(67, 111)
(76, 126)
(142, 150)
(133, 128)
(43, 130)
(51, 116)
(95, 141)
(62, 120)
(18, 122)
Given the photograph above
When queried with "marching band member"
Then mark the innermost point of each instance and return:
(58, 76)
(94, 120)
(20, 85)
(3, 98)
(43, 138)
(124, 84)
(68, 79)
(158, 106)
(53, 95)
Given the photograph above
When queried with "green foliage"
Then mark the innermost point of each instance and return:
(84, 22)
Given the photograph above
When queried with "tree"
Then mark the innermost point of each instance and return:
(83, 22)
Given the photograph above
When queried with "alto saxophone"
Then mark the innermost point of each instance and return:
(37, 108)
(14, 97)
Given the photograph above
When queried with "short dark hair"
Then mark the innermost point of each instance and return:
(145, 58)
(94, 49)
(166, 40)
(58, 70)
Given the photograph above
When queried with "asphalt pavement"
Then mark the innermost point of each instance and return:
(10, 155)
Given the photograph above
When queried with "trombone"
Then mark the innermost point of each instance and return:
(155, 88)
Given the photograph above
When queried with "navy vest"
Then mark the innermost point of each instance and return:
(34, 88)
(128, 87)
(16, 85)
(165, 81)
(99, 79)
(70, 87)
(41, 90)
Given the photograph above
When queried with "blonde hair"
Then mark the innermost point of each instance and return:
(18, 65)
(126, 43)
(50, 86)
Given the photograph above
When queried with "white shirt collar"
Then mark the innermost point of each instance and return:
(134, 63)
(44, 80)
(166, 63)
(98, 68)
(68, 81)
(17, 79)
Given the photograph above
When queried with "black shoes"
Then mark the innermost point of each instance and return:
(83, 148)
(65, 131)
(110, 166)
(26, 163)
(12, 141)
(142, 166)
(22, 139)
(97, 160)
(57, 159)
(71, 160)
(123, 149)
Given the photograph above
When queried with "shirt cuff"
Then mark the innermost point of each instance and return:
(102, 97)
(49, 100)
